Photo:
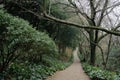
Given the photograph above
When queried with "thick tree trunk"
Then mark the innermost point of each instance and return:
(93, 41)
(92, 54)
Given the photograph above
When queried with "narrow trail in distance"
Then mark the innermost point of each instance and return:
(73, 72)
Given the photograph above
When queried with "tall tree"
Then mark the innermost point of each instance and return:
(95, 13)
(55, 30)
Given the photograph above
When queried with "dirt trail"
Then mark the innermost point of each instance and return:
(74, 72)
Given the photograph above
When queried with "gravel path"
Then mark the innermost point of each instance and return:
(74, 72)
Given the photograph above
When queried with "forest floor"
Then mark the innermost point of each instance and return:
(73, 72)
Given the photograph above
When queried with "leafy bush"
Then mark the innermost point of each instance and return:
(28, 71)
(98, 74)
(114, 59)
(18, 37)
(50, 61)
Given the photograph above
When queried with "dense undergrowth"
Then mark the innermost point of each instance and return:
(32, 71)
(96, 73)
(26, 53)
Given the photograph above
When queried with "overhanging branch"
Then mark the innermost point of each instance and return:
(81, 26)
(70, 23)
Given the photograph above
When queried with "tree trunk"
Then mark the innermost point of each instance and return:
(93, 41)
(92, 54)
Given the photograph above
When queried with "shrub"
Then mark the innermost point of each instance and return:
(114, 59)
(98, 74)
(32, 71)
(18, 37)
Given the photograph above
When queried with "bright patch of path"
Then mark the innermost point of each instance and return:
(74, 72)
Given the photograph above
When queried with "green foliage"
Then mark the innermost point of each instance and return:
(50, 61)
(17, 37)
(23, 46)
(28, 71)
(114, 59)
(69, 36)
(54, 29)
(98, 74)
(58, 12)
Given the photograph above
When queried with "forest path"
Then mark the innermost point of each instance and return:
(74, 72)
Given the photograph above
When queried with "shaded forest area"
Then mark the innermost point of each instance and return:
(37, 38)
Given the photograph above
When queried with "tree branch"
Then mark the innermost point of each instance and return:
(96, 45)
(79, 11)
(117, 4)
(102, 12)
(93, 11)
(70, 23)
(81, 26)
